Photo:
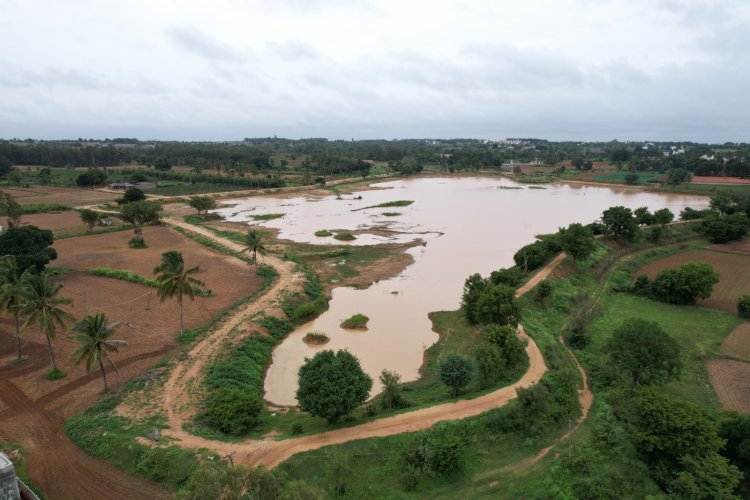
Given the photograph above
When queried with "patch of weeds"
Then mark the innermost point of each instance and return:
(323, 233)
(345, 236)
(56, 374)
(357, 321)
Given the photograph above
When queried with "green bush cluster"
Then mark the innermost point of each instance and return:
(726, 228)
(683, 286)
(442, 451)
(232, 411)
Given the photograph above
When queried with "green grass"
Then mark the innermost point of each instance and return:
(263, 217)
(388, 204)
(110, 229)
(113, 438)
(620, 176)
(357, 321)
(317, 338)
(56, 374)
(323, 233)
(391, 214)
(40, 208)
(122, 274)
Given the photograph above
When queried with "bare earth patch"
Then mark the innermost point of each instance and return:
(64, 196)
(737, 343)
(731, 381)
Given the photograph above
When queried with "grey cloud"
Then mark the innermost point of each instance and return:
(196, 42)
(292, 50)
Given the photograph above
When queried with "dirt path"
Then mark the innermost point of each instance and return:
(61, 469)
(179, 395)
(541, 275)
(270, 452)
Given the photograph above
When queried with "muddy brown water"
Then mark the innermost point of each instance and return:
(469, 225)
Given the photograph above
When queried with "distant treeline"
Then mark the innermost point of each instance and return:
(332, 157)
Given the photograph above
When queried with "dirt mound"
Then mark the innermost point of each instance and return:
(731, 381)
(737, 343)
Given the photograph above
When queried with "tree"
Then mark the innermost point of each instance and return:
(490, 364)
(140, 213)
(643, 217)
(391, 390)
(531, 256)
(684, 285)
(512, 347)
(725, 203)
(11, 294)
(5, 165)
(679, 176)
(663, 216)
(90, 217)
(332, 385)
(131, 194)
(94, 333)
(11, 209)
(725, 229)
(743, 306)
(496, 304)
(92, 177)
(735, 429)
(456, 372)
(202, 204)
(30, 245)
(473, 288)
(643, 351)
(162, 163)
(42, 306)
(253, 241)
(620, 223)
(175, 280)
(45, 176)
(679, 442)
(577, 241)
(632, 179)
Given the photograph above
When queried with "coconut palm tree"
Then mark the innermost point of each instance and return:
(175, 280)
(253, 241)
(11, 293)
(94, 332)
(42, 306)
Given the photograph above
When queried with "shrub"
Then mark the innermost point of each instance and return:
(724, 229)
(532, 256)
(684, 285)
(743, 306)
(543, 291)
(512, 276)
(473, 288)
(297, 429)
(345, 236)
(391, 397)
(323, 233)
(456, 371)
(357, 321)
(232, 411)
(317, 338)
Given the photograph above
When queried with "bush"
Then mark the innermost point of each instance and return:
(357, 321)
(317, 338)
(344, 236)
(323, 233)
(684, 285)
(724, 229)
(743, 306)
(297, 429)
(442, 450)
(693, 214)
(473, 288)
(232, 411)
(456, 371)
(532, 256)
(512, 276)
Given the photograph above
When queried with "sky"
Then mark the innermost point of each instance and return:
(379, 69)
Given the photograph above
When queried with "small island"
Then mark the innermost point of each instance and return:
(315, 338)
(356, 322)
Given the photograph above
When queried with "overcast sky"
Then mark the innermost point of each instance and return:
(229, 69)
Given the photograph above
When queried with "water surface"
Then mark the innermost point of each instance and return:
(468, 224)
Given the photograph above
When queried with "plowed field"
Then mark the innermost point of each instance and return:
(733, 269)
(737, 343)
(731, 380)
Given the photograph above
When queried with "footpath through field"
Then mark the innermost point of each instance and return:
(269, 452)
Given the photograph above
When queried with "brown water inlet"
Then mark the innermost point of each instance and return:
(472, 225)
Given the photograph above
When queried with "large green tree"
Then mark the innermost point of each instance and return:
(176, 281)
(684, 285)
(577, 241)
(253, 241)
(473, 288)
(620, 223)
(497, 304)
(140, 213)
(11, 294)
(642, 351)
(30, 245)
(11, 209)
(202, 204)
(95, 336)
(43, 307)
(331, 385)
(90, 217)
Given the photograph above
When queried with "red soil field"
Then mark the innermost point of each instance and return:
(63, 196)
(737, 343)
(731, 380)
(32, 409)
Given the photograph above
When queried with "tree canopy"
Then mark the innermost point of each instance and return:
(620, 223)
(643, 352)
(496, 304)
(456, 371)
(30, 245)
(577, 241)
(331, 385)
